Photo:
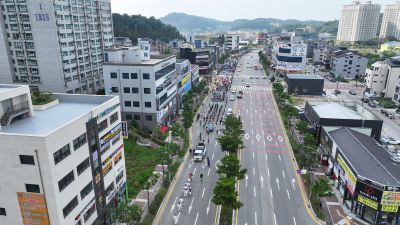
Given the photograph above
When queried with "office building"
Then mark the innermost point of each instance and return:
(55, 46)
(146, 84)
(66, 157)
(349, 65)
(393, 80)
(390, 26)
(232, 42)
(358, 22)
(194, 70)
(289, 57)
(201, 57)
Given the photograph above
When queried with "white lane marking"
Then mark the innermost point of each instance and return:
(268, 171)
(247, 177)
(262, 132)
(216, 143)
(252, 131)
(254, 188)
(173, 205)
(266, 157)
(194, 171)
(177, 218)
(277, 183)
(293, 181)
(208, 207)
(264, 143)
(294, 220)
(274, 219)
(212, 157)
(255, 217)
(191, 162)
(270, 117)
(198, 131)
(204, 189)
(254, 171)
(191, 205)
(252, 142)
(251, 115)
(270, 191)
(272, 124)
(203, 164)
(208, 173)
(262, 182)
(276, 143)
(280, 159)
(288, 195)
(283, 173)
(273, 132)
(195, 221)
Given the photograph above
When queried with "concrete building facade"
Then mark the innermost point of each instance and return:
(67, 157)
(390, 26)
(358, 22)
(349, 65)
(55, 46)
(376, 78)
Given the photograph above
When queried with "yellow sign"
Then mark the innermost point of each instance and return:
(391, 198)
(348, 174)
(186, 78)
(117, 157)
(389, 208)
(368, 202)
(33, 208)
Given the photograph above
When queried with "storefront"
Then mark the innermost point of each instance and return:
(346, 181)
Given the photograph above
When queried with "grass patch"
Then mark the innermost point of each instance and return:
(140, 162)
(387, 103)
(225, 216)
(296, 100)
(41, 98)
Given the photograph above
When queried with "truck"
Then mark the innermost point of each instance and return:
(200, 152)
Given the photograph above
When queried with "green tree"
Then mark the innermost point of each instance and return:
(176, 130)
(150, 183)
(230, 167)
(302, 126)
(125, 213)
(309, 140)
(225, 193)
(231, 140)
(321, 187)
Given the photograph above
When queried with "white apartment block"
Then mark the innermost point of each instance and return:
(232, 42)
(376, 77)
(67, 158)
(146, 85)
(358, 22)
(393, 81)
(349, 65)
(391, 21)
(55, 45)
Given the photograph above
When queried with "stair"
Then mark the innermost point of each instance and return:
(14, 111)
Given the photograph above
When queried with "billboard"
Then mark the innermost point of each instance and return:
(33, 208)
(349, 176)
(391, 198)
(110, 136)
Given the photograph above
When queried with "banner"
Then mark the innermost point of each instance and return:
(349, 176)
(33, 208)
(125, 131)
(369, 191)
(368, 202)
(391, 198)
(108, 137)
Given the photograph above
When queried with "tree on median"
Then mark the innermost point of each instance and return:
(230, 167)
(225, 193)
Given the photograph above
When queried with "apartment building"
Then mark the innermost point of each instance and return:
(146, 84)
(122, 42)
(358, 22)
(55, 46)
(66, 156)
(201, 57)
(376, 77)
(289, 57)
(393, 81)
(349, 65)
(232, 42)
(390, 26)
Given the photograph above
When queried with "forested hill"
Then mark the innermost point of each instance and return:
(137, 26)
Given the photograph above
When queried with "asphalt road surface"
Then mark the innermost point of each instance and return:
(270, 192)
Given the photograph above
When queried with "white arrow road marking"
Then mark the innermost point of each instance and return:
(173, 205)
(194, 171)
(255, 217)
(268, 171)
(274, 219)
(254, 188)
(204, 189)
(277, 182)
(177, 218)
(247, 177)
(216, 164)
(264, 142)
(294, 220)
(208, 173)
(254, 171)
(276, 143)
(195, 221)
(258, 137)
(191, 205)
(198, 131)
(293, 181)
(270, 191)
(262, 182)
(287, 191)
(246, 136)
(247, 111)
(216, 143)
(212, 157)
(283, 173)
(208, 207)
(279, 157)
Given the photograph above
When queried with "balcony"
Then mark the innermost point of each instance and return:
(165, 71)
(14, 111)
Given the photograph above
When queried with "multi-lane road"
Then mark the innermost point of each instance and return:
(271, 193)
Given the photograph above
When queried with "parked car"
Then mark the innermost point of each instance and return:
(336, 92)
(390, 141)
(352, 92)
(229, 112)
(383, 111)
(248, 85)
(396, 158)
(233, 91)
(366, 100)
(240, 94)
(391, 116)
(373, 105)
(232, 98)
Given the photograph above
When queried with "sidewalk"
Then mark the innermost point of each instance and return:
(335, 212)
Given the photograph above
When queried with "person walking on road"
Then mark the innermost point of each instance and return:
(201, 178)
(208, 161)
(175, 219)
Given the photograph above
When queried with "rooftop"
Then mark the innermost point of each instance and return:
(44, 122)
(334, 110)
(392, 43)
(346, 53)
(369, 160)
(393, 61)
(180, 60)
(304, 76)
(6, 87)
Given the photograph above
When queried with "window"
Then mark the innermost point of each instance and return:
(27, 159)
(136, 104)
(89, 212)
(113, 75)
(125, 75)
(64, 182)
(109, 189)
(147, 104)
(3, 212)
(128, 104)
(147, 90)
(119, 177)
(101, 126)
(149, 117)
(113, 117)
(61, 154)
(128, 116)
(86, 190)
(135, 90)
(82, 166)
(114, 89)
(127, 90)
(134, 76)
(70, 206)
(34, 188)
(79, 141)
(146, 76)
(136, 117)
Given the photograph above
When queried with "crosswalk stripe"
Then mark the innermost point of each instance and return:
(252, 88)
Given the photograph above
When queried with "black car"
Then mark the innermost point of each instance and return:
(373, 105)
(352, 92)
(366, 100)
(336, 92)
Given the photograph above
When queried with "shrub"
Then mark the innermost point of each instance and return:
(157, 200)
(41, 98)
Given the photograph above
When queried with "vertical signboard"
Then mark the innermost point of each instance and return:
(33, 208)
(125, 131)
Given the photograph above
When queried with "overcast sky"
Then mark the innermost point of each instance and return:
(238, 9)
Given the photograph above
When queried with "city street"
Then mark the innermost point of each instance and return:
(270, 191)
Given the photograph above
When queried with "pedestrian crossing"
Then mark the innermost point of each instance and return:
(248, 76)
(251, 88)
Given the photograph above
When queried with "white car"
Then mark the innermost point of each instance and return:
(229, 111)
(233, 91)
(248, 85)
(396, 158)
(390, 141)
(232, 98)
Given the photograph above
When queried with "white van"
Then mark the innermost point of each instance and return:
(229, 111)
